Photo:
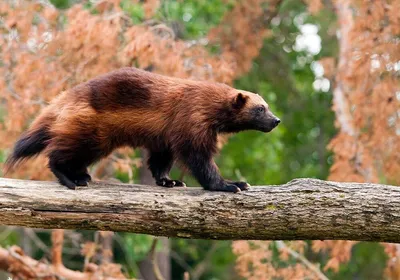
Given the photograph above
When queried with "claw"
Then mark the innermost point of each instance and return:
(168, 183)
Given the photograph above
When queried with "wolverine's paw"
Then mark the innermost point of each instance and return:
(168, 183)
(226, 187)
(81, 183)
(82, 180)
(231, 188)
(243, 186)
(68, 183)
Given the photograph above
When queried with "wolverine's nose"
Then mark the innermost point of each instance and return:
(276, 122)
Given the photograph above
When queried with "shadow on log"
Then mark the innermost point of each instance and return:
(301, 209)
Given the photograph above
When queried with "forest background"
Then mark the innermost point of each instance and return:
(329, 69)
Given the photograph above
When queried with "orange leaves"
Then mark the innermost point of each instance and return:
(314, 6)
(150, 7)
(140, 46)
(242, 32)
(108, 6)
(366, 94)
(392, 270)
(82, 46)
(329, 65)
(50, 14)
(367, 148)
(253, 259)
(257, 260)
(340, 251)
(88, 250)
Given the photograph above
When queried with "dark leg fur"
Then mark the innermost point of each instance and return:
(69, 177)
(160, 164)
(206, 172)
(81, 177)
(75, 156)
(60, 171)
(71, 167)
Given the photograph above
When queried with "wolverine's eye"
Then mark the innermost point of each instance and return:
(260, 109)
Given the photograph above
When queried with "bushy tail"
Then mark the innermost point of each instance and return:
(28, 145)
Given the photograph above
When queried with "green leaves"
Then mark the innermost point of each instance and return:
(194, 17)
(135, 11)
(61, 4)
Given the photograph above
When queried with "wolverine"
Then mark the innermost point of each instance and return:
(176, 120)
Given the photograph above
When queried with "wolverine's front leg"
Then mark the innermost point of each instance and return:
(160, 164)
(206, 172)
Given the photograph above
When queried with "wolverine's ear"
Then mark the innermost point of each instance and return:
(239, 100)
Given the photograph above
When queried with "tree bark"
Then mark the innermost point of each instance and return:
(301, 209)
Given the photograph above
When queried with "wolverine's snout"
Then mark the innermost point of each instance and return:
(271, 121)
(276, 122)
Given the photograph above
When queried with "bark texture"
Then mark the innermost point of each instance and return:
(301, 209)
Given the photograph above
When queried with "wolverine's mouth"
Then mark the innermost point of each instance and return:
(267, 124)
(269, 127)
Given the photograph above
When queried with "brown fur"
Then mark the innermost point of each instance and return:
(173, 118)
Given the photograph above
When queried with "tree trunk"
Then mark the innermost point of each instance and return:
(301, 209)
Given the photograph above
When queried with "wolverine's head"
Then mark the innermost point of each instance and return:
(248, 111)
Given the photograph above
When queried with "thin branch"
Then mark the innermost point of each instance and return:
(153, 259)
(105, 242)
(6, 232)
(38, 242)
(186, 276)
(341, 106)
(20, 266)
(180, 261)
(281, 245)
(131, 264)
(57, 239)
(201, 267)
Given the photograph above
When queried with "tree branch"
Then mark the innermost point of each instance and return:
(22, 266)
(282, 246)
(153, 258)
(301, 209)
(57, 239)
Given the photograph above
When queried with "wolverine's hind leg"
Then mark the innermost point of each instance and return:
(160, 163)
(60, 171)
(69, 170)
(69, 176)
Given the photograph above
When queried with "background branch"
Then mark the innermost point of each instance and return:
(282, 246)
(153, 258)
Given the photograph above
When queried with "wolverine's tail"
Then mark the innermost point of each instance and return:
(29, 144)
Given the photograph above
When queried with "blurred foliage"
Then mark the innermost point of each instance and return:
(63, 4)
(137, 245)
(194, 18)
(368, 261)
(215, 256)
(284, 76)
